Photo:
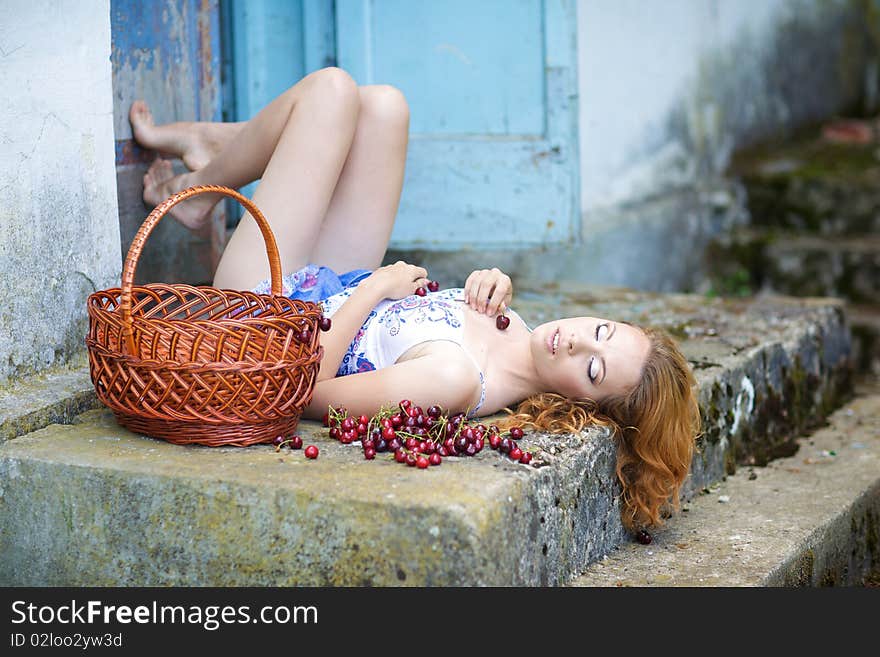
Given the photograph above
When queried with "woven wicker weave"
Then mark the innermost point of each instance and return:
(200, 365)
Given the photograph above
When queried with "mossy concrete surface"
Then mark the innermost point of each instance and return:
(811, 519)
(90, 503)
(54, 395)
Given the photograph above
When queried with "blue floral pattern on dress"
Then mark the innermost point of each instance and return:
(433, 308)
(355, 360)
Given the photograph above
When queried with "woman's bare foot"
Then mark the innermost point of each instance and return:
(160, 183)
(196, 143)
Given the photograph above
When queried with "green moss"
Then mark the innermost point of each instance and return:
(801, 572)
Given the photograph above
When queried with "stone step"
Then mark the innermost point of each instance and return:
(809, 519)
(55, 395)
(89, 503)
(801, 265)
(809, 186)
(864, 323)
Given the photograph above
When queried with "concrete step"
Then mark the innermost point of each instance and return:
(801, 265)
(89, 503)
(864, 323)
(55, 395)
(809, 186)
(810, 519)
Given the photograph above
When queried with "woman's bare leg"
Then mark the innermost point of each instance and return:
(194, 142)
(358, 224)
(297, 145)
(361, 215)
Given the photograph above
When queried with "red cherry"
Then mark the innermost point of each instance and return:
(502, 322)
(516, 453)
(433, 286)
(324, 323)
(311, 452)
(362, 429)
(325, 419)
(494, 440)
(369, 453)
(643, 537)
(388, 433)
(296, 442)
(435, 459)
(516, 433)
(422, 462)
(399, 455)
(278, 441)
(421, 291)
(405, 404)
(335, 433)
(410, 459)
(526, 458)
(396, 420)
(305, 335)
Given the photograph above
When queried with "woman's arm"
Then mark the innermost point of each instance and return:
(448, 379)
(390, 282)
(346, 322)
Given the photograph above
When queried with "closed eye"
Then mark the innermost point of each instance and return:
(594, 369)
(601, 331)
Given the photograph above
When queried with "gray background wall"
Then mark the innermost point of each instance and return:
(59, 226)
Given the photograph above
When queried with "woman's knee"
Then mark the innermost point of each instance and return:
(384, 103)
(333, 86)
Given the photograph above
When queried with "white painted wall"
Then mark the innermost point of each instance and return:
(59, 226)
(639, 60)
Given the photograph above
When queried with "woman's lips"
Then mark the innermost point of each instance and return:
(550, 339)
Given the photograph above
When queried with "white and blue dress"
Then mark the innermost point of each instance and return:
(391, 328)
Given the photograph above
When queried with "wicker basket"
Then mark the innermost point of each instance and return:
(199, 365)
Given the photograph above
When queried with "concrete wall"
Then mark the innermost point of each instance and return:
(59, 227)
(667, 92)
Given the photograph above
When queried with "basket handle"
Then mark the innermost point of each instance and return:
(137, 245)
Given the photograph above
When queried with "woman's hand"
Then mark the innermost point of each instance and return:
(398, 280)
(488, 291)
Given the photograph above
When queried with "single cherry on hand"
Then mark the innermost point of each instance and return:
(324, 323)
(502, 322)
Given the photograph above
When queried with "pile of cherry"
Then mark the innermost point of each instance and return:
(419, 438)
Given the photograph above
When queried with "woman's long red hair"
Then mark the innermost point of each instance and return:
(655, 425)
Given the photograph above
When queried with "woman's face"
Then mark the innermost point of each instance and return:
(589, 357)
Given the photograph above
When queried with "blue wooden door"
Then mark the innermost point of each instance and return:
(492, 89)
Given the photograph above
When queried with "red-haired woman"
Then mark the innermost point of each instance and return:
(330, 157)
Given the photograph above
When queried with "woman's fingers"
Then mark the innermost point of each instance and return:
(499, 296)
(488, 290)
